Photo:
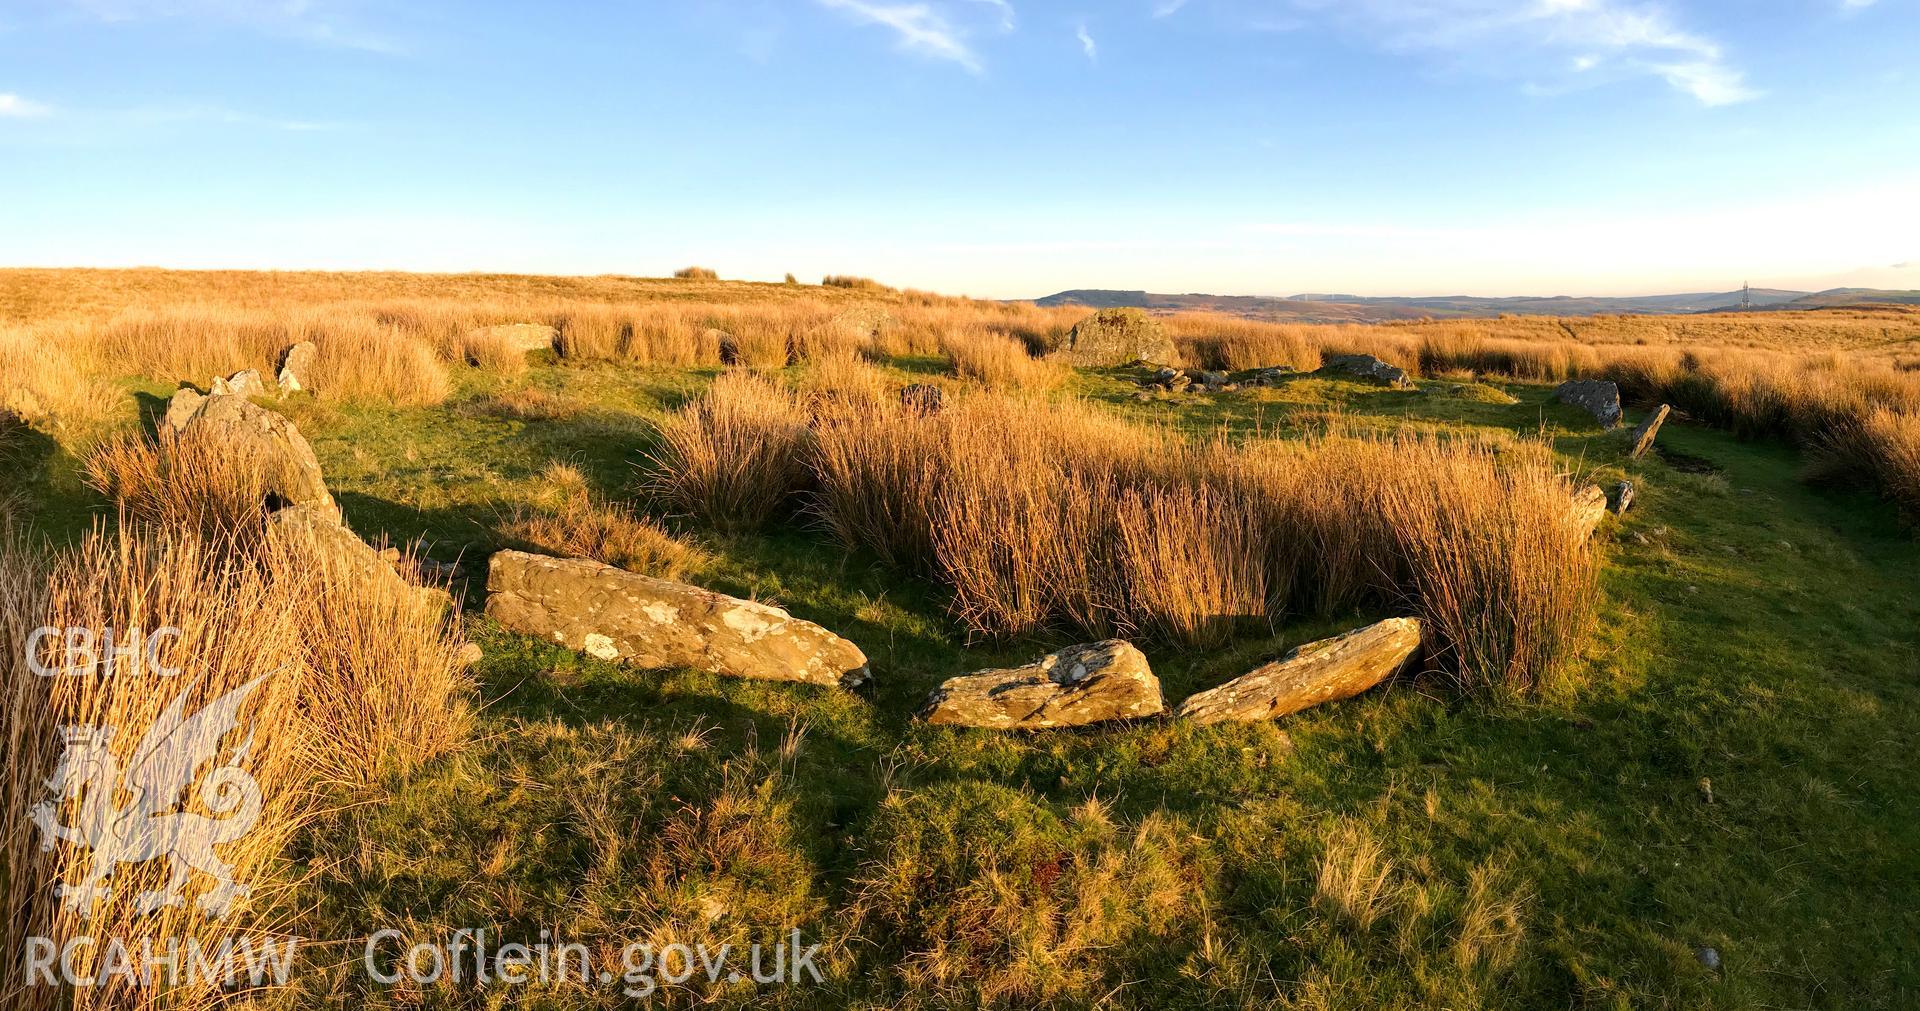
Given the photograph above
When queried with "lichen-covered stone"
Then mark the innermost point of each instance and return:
(1324, 671)
(1589, 508)
(1080, 685)
(618, 615)
(1115, 337)
(1370, 368)
(244, 383)
(296, 367)
(184, 405)
(1594, 396)
(352, 557)
(247, 429)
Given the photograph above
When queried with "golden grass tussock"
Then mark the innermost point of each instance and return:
(1036, 514)
(363, 360)
(572, 521)
(998, 361)
(344, 701)
(734, 456)
(485, 349)
(852, 281)
(697, 274)
(55, 385)
(184, 480)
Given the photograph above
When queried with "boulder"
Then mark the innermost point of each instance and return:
(1589, 508)
(1622, 499)
(244, 383)
(296, 367)
(185, 403)
(1080, 685)
(522, 337)
(922, 399)
(1648, 431)
(247, 428)
(1115, 337)
(1370, 368)
(618, 615)
(864, 323)
(349, 556)
(1325, 671)
(1273, 375)
(1594, 396)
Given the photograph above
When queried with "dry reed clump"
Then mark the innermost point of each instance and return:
(1036, 514)
(327, 692)
(998, 361)
(1230, 344)
(362, 360)
(184, 480)
(572, 521)
(49, 380)
(492, 352)
(734, 456)
(852, 281)
(195, 342)
(697, 274)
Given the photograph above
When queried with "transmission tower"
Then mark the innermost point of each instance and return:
(1746, 296)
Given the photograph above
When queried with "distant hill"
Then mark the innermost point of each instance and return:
(1322, 308)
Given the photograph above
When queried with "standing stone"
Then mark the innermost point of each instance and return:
(1080, 685)
(1648, 431)
(1594, 396)
(296, 367)
(246, 428)
(1589, 508)
(1115, 337)
(922, 399)
(244, 383)
(1368, 367)
(1325, 671)
(618, 615)
(1622, 498)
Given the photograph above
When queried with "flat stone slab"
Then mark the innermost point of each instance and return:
(614, 614)
(1319, 672)
(1074, 687)
(1589, 508)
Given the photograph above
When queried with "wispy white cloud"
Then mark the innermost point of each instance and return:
(919, 27)
(1087, 44)
(1168, 8)
(12, 106)
(1596, 38)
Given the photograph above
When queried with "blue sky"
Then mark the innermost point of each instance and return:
(1001, 148)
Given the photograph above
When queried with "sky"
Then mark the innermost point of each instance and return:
(998, 148)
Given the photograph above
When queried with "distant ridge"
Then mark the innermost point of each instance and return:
(1321, 308)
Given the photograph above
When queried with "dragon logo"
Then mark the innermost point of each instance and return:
(146, 824)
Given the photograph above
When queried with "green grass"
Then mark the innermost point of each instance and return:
(1734, 769)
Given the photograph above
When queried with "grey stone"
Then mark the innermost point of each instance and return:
(246, 428)
(1622, 499)
(1594, 396)
(1077, 686)
(1589, 508)
(296, 367)
(1648, 431)
(244, 383)
(352, 557)
(618, 615)
(1115, 337)
(1370, 368)
(1325, 671)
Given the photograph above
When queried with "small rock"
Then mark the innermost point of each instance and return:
(1589, 508)
(1080, 685)
(1595, 396)
(184, 405)
(1368, 367)
(470, 654)
(1622, 499)
(1708, 957)
(244, 383)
